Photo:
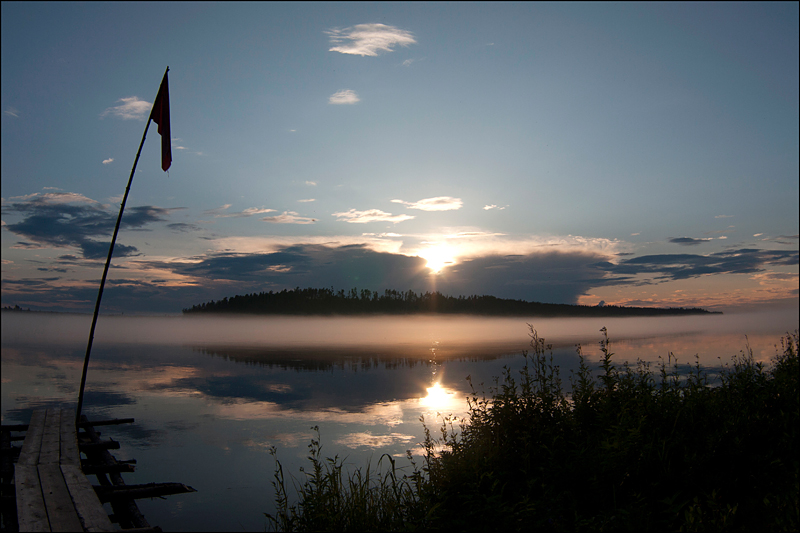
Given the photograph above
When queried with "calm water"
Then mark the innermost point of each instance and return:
(211, 395)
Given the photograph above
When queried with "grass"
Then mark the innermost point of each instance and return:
(630, 448)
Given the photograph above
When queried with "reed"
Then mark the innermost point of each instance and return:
(630, 448)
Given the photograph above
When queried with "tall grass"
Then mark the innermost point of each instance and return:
(630, 448)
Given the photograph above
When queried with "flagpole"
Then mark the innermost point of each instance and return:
(105, 270)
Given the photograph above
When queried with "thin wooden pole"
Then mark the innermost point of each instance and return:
(105, 270)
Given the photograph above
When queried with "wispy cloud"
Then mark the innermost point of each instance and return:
(307, 200)
(346, 96)
(370, 215)
(687, 241)
(368, 39)
(183, 227)
(108, 161)
(723, 216)
(130, 108)
(289, 217)
(177, 144)
(311, 183)
(218, 210)
(439, 203)
(493, 206)
(11, 112)
(221, 212)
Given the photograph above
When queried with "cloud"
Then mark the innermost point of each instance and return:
(11, 112)
(345, 97)
(407, 62)
(493, 206)
(687, 241)
(61, 220)
(545, 276)
(311, 183)
(219, 212)
(668, 267)
(439, 203)
(307, 200)
(370, 215)
(723, 216)
(368, 39)
(289, 217)
(108, 161)
(310, 265)
(183, 227)
(131, 108)
(550, 276)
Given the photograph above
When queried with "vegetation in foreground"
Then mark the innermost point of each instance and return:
(629, 449)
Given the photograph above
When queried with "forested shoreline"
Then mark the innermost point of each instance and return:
(325, 301)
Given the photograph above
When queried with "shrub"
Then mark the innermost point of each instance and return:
(627, 449)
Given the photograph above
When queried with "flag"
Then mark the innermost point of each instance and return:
(160, 115)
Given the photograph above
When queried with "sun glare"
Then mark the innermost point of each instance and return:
(438, 397)
(438, 257)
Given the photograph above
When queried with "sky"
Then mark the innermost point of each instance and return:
(639, 154)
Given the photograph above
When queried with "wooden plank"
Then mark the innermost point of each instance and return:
(31, 514)
(51, 439)
(127, 511)
(60, 509)
(90, 510)
(33, 439)
(69, 439)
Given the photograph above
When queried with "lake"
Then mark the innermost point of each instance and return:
(211, 395)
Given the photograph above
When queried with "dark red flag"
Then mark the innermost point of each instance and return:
(160, 115)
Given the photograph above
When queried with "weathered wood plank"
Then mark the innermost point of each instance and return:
(31, 514)
(127, 510)
(51, 439)
(90, 510)
(60, 509)
(69, 439)
(33, 439)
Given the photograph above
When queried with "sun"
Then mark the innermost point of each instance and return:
(437, 258)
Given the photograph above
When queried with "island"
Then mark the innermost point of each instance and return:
(326, 301)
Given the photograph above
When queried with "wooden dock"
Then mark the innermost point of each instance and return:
(51, 490)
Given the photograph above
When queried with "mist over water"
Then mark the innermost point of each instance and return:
(384, 331)
(220, 391)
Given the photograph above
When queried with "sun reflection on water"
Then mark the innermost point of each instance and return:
(439, 397)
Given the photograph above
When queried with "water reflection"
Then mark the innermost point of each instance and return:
(223, 404)
(441, 399)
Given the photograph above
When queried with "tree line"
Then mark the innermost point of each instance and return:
(325, 301)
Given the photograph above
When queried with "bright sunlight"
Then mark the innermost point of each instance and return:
(438, 257)
(438, 397)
